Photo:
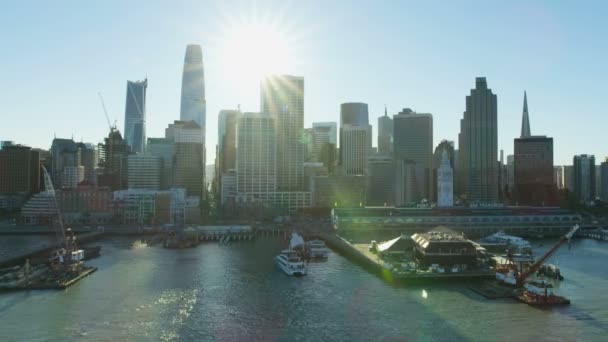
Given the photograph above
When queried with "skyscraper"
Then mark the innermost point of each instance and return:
(385, 135)
(193, 104)
(353, 113)
(478, 146)
(65, 156)
(355, 148)
(256, 156)
(323, 133)
(144, 171)
(189, 161)
(413, 142)
(525, 121)
(165, 149)
(604, 181)
(114, 163)
(380, 181)
(282, 97)
(584, 178)
(227, 125)
(135, 115)
(533, 166)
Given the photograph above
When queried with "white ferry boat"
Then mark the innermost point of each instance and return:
(317, 249)
(290, 262)
(501, 239)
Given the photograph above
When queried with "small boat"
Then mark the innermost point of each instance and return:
(540, 293)
(520, 257)
(291, 263)
(316, 249)
(506, 274)
(551, 271)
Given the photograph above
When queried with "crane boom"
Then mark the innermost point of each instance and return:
(105, 111)
(538, 263)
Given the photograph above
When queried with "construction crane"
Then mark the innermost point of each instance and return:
(105, 111)
(521, 278)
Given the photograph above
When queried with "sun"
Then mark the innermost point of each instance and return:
(250, 51)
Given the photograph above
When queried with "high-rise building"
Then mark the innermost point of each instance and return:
(323, 133)
(64, 153)
(135, 115)
(144, 171)
(385, 135)
(353, 113)
(89, 158)
(413, 142)
(569, 177)
(380, 181)
(445, 182)
(164, 149)
(193, 104)
(533, 166)
(227, 125)
(407, 185)
(189, 161)
(19, 170)
(604, 180)
(256, 162)
(282, 97)
(533, 171)
(525, 121)
(114, 163)
(558, 177)
(584, 178)
(478, 146)
(510, 172)
(355, 148)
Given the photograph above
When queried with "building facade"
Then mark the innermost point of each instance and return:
(413, 142)
(533, 171)
(19, 170)
(193, 104)
(189, 161)
(135, 115)
(256, 161)
(584, 178)
(604, 181)
(354, 114)
(144, 171)
(478, 146)
(164, 149)
(338, 191)
(385, 135)
(380, 190)
(282, 97)
(323, 133)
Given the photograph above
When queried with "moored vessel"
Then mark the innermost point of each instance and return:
(291, 263)
(540, 293)
(316, 249)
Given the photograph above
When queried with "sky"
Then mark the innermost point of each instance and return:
(56, 57)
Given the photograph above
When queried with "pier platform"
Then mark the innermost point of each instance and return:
(360, 254)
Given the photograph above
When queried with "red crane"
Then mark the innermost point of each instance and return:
(521, 278)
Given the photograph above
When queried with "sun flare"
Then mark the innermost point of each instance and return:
(252, 51)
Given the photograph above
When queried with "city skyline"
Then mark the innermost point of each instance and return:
(555, 87)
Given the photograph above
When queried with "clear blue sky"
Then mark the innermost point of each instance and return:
(56, 56)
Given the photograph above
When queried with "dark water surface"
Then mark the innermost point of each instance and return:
(234, 292)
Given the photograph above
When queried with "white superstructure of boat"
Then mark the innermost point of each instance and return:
(290, 262)
(317, 249)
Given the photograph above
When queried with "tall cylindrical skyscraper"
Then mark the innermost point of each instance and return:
(193, 87)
